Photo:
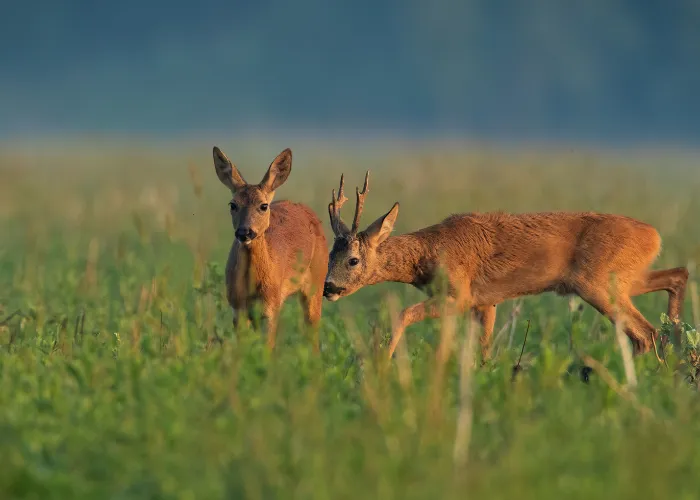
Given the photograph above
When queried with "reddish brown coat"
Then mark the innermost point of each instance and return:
(280, 249)
(492, 257)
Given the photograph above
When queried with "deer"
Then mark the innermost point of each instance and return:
(279, 248)
(491, 257)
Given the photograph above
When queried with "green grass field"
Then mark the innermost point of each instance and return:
(121, 376)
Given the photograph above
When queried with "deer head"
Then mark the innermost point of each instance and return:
(250, 203)
(352, 261)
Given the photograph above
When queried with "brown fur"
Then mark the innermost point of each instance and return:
(287, 256)
(492, 257)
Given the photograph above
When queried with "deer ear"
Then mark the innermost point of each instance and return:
(279, 170)
(381, 228)
(227, 172)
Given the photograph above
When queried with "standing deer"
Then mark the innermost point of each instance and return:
(493, 257)
(279, 248)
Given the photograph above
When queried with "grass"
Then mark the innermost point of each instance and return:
(121, 377)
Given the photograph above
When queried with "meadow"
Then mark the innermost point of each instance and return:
(121, 376)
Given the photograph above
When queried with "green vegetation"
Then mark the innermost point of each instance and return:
(120, 376)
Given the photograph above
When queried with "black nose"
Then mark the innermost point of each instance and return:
(329, 288)
(244, 234)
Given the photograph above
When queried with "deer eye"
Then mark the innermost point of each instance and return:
(233, 206)
(354, 261)
(263, 207)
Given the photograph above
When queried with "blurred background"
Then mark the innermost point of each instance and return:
(454, 105)
(600, 71)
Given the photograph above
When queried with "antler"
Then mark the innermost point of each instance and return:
(339, 227)
(360, 204)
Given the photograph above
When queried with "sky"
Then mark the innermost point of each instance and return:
(599, 70)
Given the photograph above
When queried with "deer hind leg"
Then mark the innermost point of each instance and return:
(644, 330)
(673, 281)
(312, 304)
(635, 325)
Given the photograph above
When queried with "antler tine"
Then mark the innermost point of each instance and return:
(339, 227)
(360, 203)
(341, 199)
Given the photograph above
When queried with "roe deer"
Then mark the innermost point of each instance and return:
(279, 248)
(493, 257)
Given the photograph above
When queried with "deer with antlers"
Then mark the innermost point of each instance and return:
(492, 257)
(279, 248)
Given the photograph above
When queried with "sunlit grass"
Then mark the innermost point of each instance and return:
(121, 377)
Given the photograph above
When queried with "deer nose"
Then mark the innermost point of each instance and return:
(330, 288)
(244, 234)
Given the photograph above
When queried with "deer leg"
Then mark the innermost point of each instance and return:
(418, 312)
(486, 315)
(640, 331)
(239, 319)
(271, 317)
(312, 315)
(673, 281)
(635, 325)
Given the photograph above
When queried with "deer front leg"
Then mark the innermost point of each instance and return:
(486, 315)
(312, 305)
(418, 312)
(241, 317)
(271, 317)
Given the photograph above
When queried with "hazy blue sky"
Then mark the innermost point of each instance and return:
(593, 69)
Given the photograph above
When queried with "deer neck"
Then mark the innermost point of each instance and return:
(255, 258)
(401, 259)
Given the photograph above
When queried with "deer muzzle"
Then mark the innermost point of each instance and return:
(245, 234)
(331, 291)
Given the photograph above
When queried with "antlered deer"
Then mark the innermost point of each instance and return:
(279, 248)
(493, 257)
